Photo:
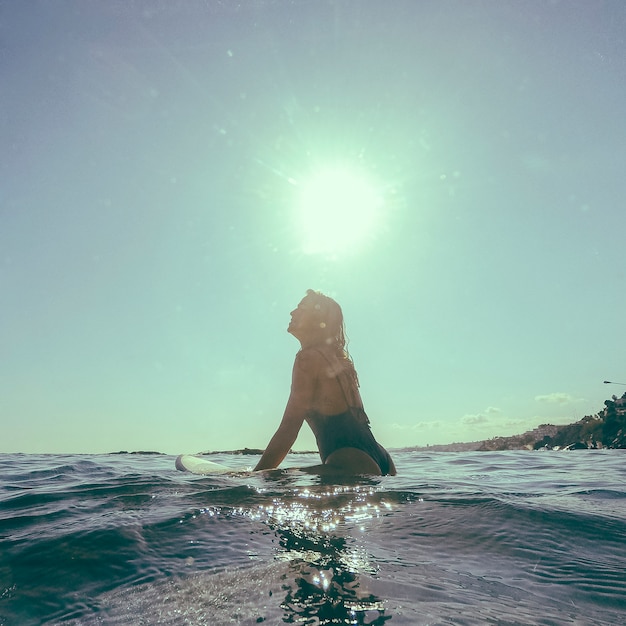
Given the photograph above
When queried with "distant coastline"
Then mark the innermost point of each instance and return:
(605, 429)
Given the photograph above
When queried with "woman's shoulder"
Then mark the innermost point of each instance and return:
(326, 360)
(311, 357)
(320, 359)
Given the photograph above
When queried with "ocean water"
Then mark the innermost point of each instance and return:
(456, 538)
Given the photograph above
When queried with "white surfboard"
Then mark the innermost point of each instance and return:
(198, 465)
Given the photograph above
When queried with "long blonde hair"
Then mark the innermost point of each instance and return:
(333, 329)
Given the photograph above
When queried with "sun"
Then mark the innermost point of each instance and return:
(337, 209)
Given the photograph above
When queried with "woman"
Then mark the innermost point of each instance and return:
(324, 392)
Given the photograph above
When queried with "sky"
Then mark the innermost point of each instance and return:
(175, 175)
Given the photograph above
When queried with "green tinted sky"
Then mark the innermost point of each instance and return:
(152, 156)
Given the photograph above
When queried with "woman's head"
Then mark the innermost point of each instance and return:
(318, 319)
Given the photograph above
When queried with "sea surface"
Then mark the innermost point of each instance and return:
(455, 538)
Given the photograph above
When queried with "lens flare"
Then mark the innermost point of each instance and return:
(337, 209)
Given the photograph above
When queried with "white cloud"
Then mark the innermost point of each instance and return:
(418, 425)
(427, 425)
(481, 418)
(557, 398)
(478, 418)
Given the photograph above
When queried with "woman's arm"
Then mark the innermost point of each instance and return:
(280, 443)
(300, 401)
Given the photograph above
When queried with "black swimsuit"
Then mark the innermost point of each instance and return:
(347, 430)
(350, 429)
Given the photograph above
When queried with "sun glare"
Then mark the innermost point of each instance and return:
(337, 209)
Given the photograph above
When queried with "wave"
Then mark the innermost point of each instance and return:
(453, 540)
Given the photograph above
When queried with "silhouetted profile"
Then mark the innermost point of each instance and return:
(325, 394)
